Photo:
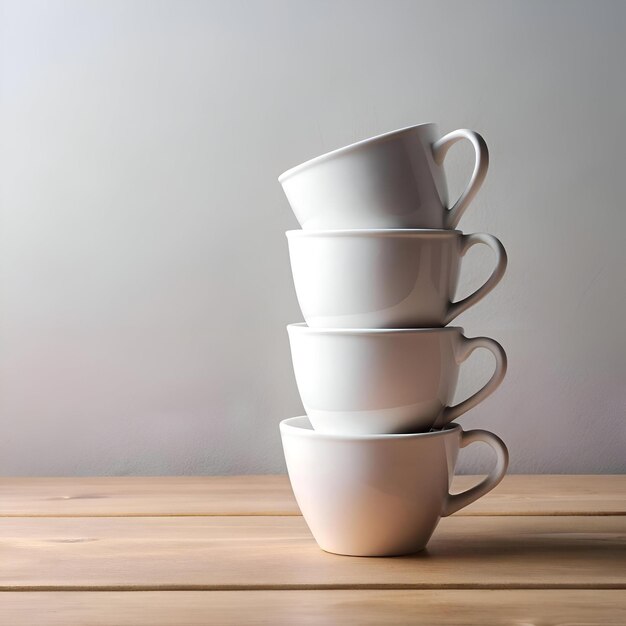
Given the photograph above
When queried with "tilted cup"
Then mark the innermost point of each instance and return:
(380, 495)
(384, 381)
(395, 180)
(400, 278)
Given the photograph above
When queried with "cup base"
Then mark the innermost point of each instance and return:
(374, 553)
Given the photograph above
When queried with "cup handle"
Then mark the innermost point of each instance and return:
(456, 308)
(460, 500)
(481, 165)
(469, 345)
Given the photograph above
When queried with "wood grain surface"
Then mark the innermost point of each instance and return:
(271, 495)
(293, 608)
(538, 550)
(279, 552)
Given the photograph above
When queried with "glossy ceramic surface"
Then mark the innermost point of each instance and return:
(384, 278)
(356, 381)
(379, 495)
(395, 180)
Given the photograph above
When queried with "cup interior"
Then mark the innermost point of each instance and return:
(353, 147)
(301, 426)
(303, 327)
(408, 233)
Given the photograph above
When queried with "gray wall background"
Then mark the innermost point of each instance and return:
(144, 275)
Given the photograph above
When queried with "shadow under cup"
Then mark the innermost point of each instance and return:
(379, 495)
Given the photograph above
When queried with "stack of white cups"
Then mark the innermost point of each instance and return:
(376, 267)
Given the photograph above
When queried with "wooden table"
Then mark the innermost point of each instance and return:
(234, 550)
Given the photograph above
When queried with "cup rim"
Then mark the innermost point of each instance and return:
(350, 147)
(302, 327)
(376, 232)
(291, 426)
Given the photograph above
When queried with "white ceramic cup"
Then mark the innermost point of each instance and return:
(384, 381)
(384, 278)
(395, 180)
(379, 495)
